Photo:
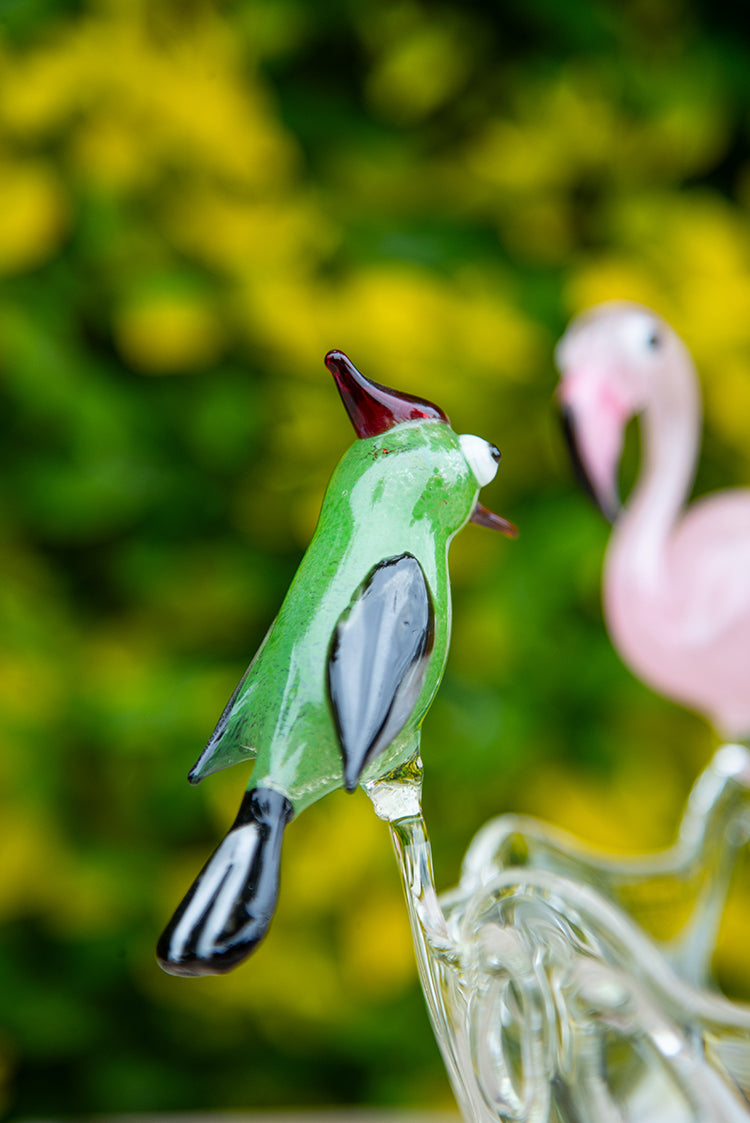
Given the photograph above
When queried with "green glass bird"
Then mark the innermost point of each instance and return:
(338, 690)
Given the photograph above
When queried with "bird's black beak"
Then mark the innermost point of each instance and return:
(483, 517)
(567, 418)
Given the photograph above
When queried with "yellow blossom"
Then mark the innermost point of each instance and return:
(167, 333)
(33, 214)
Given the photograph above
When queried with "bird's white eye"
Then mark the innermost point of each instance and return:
(482, 457)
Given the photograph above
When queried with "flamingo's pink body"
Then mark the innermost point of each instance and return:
(676, 582)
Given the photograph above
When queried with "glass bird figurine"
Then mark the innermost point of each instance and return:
(676, 580)
(338, 690)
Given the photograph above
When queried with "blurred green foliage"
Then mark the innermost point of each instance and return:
(197, 201)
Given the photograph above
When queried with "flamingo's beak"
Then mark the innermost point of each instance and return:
(594, 424)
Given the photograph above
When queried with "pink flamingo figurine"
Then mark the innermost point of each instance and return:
(676, 581)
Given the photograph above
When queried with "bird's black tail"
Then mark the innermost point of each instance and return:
(229, 906)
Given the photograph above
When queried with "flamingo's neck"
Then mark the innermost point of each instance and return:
(670, 440)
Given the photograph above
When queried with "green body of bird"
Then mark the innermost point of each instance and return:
(408, 490)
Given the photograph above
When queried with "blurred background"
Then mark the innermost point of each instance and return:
(197, 200)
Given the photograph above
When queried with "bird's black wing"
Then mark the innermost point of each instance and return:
(378, 660)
